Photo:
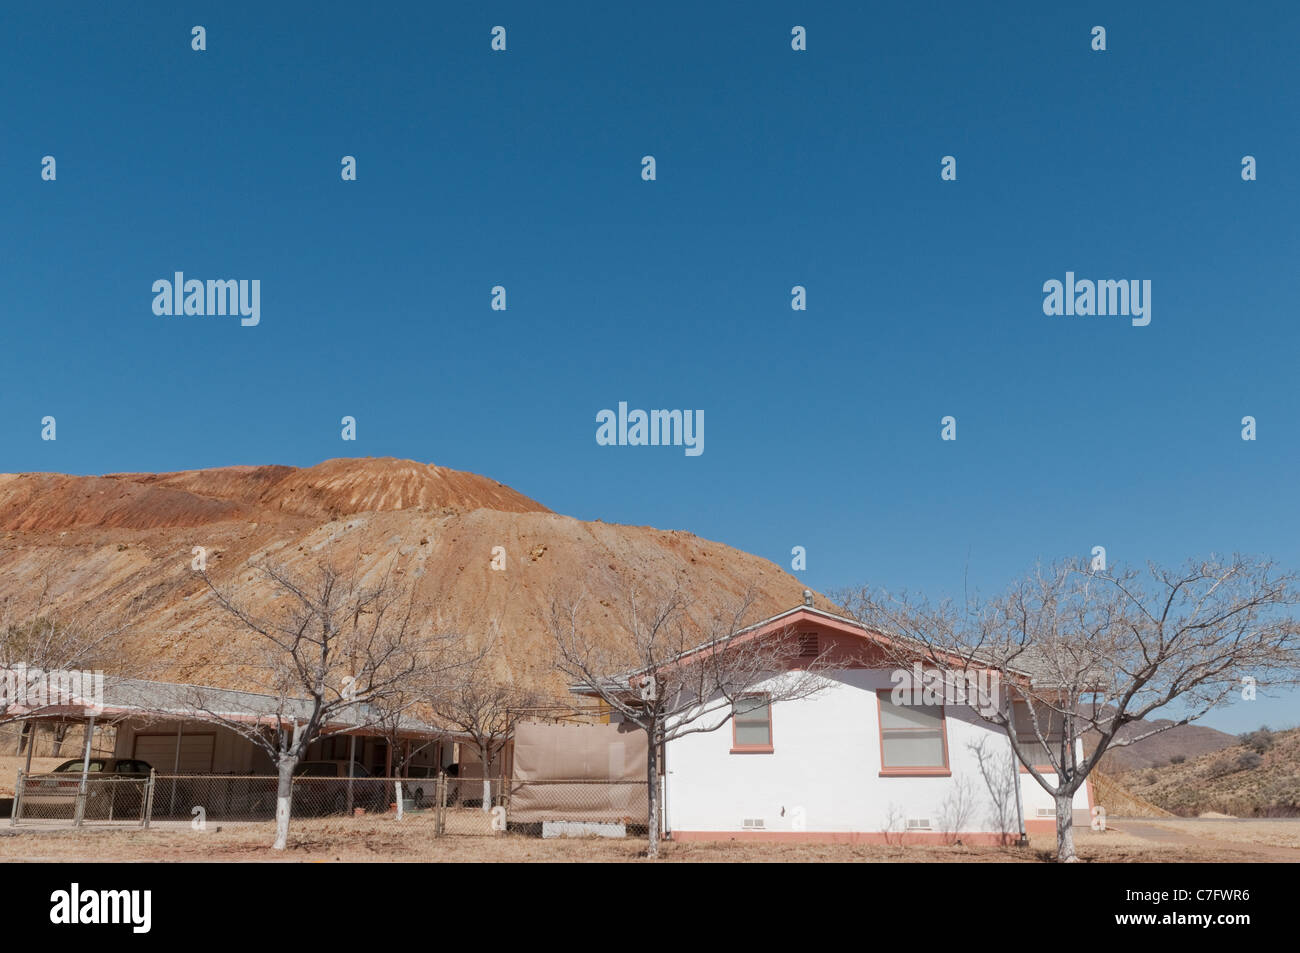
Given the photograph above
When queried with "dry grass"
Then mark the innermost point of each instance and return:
(380, 838)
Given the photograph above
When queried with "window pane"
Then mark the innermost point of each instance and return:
(909, 716)
(75, 766)
(752, 709)
(1034, 749)
(913, 749)
(1050, 723)
(753, 733)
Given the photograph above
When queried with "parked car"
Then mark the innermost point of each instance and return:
(464, 785)
(321, 787)
(420, 784)
(110, 791)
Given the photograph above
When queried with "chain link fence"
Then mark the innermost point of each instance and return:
(458, 806)
(551, 808)
(578, 808)
(60, 799)
(215, 797)
(253, 797)
(470, 806)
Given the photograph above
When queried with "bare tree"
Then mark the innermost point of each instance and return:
(480, 704)
(449, 666)
(331, 650)
(391, 718)
(1080, 652)
(49, 654)
(673, 675)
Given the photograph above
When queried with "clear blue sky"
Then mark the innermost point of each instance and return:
(775, 168)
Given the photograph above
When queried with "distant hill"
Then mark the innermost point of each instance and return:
(1258, 778)
(1188, 741)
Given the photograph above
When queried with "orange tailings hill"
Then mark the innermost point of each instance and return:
(123, 542)
(35, 501)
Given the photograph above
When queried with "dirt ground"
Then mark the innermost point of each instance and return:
(1250, 838)
(382, 838)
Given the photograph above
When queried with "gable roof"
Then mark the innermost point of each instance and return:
(1030, 663)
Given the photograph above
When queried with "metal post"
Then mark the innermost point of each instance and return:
(148, 801)
(352, 755)
(31, 743)
(176, 767)
(501, 793)
(79, 813)
(18, 798)
(1022, 839)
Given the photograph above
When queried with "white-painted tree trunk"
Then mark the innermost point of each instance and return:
(398, 786)
(284, 799)
(1065, 829)
(281, 823)
(652, 793)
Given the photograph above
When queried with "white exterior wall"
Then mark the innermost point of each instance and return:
(1034, 797)
(825, 767)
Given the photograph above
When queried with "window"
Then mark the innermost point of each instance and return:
(912, 738)
(1050, 727)
(96, 764)
(752, 724)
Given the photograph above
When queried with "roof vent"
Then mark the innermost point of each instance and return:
(807, 598)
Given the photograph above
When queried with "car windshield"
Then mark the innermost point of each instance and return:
(96, 764)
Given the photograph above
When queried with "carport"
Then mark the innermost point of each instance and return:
(187, 731)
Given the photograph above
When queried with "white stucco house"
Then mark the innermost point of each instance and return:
(848, 764)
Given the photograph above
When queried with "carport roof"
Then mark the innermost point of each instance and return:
(125, 697)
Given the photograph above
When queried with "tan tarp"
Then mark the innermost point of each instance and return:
(578, 773)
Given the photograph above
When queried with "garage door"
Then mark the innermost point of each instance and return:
(160, 751)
